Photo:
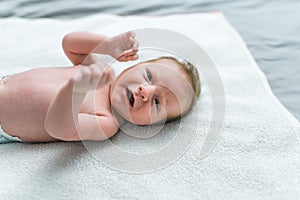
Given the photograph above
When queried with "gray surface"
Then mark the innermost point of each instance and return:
(271, 29)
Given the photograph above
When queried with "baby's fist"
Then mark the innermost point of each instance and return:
(123, 47)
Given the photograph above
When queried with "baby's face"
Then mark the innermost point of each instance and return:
(149, 92)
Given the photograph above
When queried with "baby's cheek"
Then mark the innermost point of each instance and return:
(157, 115)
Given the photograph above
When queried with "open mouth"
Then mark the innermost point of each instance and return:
(130, 97)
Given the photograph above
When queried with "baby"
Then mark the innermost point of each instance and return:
(86, 101)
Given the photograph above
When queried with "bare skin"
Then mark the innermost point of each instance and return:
(31, 102)
(75, 103)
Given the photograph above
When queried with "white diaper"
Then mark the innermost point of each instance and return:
(5, 138)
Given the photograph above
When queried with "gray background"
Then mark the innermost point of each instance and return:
(271, 29)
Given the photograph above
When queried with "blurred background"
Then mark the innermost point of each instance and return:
(270, 28)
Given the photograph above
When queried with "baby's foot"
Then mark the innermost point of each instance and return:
(123, 47)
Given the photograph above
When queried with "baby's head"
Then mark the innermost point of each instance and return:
(154, 91)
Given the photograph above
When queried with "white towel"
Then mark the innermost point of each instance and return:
(257, 155)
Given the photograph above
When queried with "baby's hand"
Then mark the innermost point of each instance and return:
(91, 77)
(123, 47)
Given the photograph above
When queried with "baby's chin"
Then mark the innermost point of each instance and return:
(145, 121)
(125, 117)
(138, 121)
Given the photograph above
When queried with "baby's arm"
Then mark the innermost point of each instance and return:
(63, 120)
(78, 45)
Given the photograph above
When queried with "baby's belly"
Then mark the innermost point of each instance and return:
(25, 98)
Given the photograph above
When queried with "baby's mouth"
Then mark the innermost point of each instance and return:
(130, 97)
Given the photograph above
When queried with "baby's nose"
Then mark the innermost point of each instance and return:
(146, 91)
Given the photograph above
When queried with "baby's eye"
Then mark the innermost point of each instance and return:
(157, 104)
(149, 75)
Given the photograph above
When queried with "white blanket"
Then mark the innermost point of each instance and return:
(257, 155)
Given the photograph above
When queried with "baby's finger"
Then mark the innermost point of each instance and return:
(122, 59)
(134, 57)
(134, 52)
(134, 43)
(129, 38)
(131, 34)
(135, 46)
(129, 52)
